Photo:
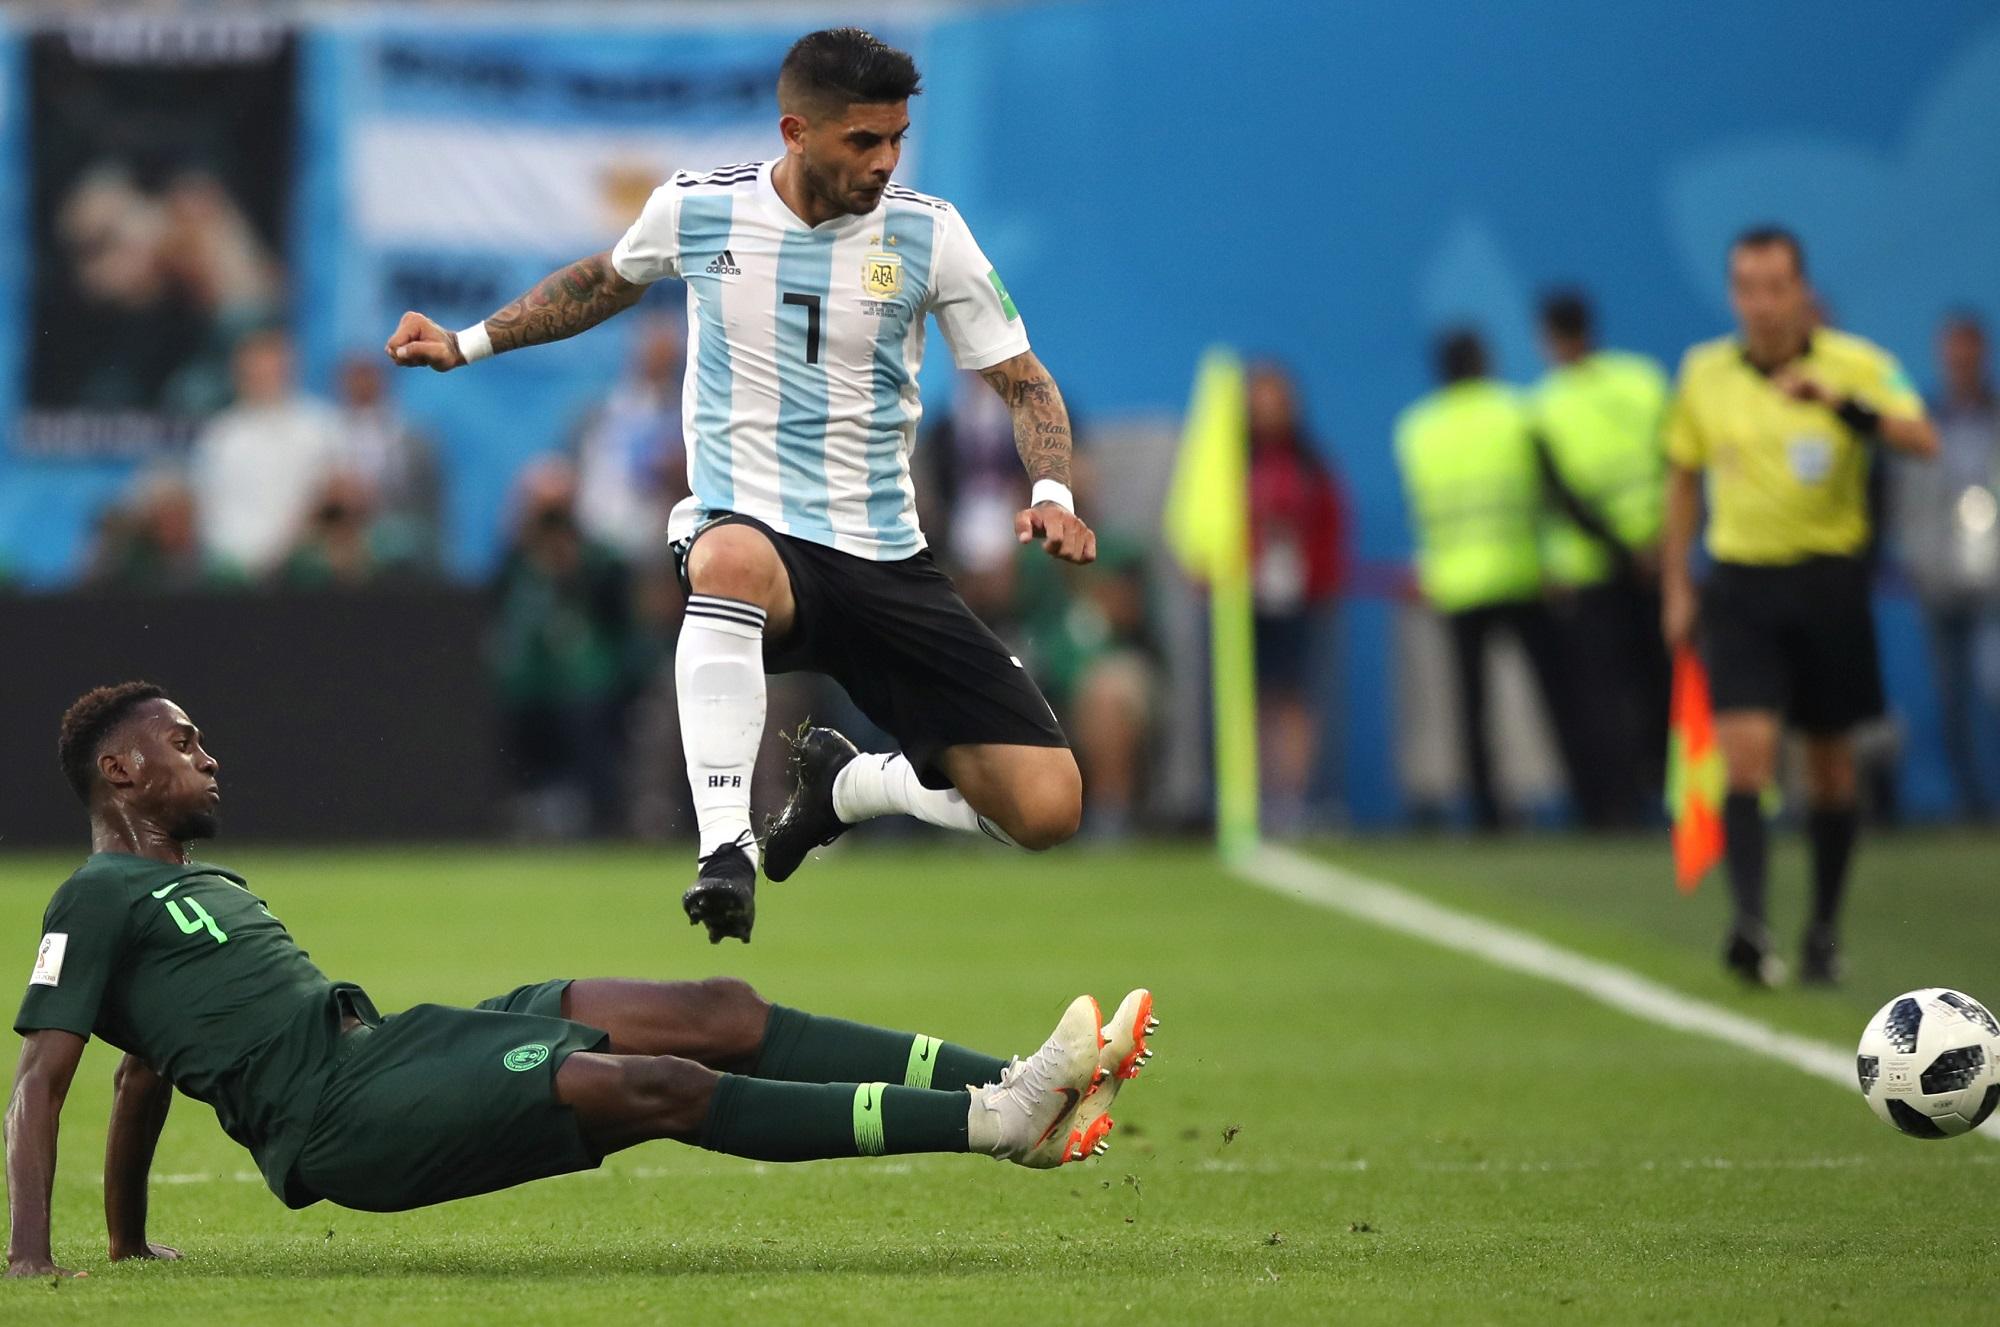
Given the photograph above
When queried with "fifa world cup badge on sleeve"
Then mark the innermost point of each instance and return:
(1006, 300)
(49, 959)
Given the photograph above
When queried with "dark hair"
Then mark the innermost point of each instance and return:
(1965, 320)
(1566, 313)
(846, 65)
(1763, 237)
(1461, 354)
(91, 719)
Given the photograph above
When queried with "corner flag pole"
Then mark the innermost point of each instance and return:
(1208, 528)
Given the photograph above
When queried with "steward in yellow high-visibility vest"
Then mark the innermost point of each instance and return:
(1470, 475)
(1468, 463)
(1597, 417)
(1597, 413)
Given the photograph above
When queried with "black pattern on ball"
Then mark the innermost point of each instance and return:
(1867, 1068)
(1913, 1121)
(1901, 1024)
(1986, 1106)
(1953, 1071)
(1972, 1009)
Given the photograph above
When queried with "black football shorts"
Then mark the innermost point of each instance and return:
(910, 654)
(1798, 640)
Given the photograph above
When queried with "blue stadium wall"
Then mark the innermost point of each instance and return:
(1328, 183)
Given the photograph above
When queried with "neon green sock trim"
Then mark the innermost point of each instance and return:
(868, 1139)
(923, 1061)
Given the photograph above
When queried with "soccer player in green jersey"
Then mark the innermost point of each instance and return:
(180, 966)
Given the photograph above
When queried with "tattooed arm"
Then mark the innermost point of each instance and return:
(1041, 424)
(1041, 435)
(562, 304)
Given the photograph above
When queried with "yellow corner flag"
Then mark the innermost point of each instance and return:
(1207, 524)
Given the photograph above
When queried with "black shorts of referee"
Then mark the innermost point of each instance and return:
(1798, 640)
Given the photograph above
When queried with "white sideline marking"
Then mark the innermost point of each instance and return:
(1362, 1166)
(1294, 875)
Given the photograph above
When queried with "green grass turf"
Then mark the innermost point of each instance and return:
(1341, 1124)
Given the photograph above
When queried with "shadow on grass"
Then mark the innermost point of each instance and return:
(761, 1261)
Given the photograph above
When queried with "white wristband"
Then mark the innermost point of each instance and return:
(474, 344)
(1052, 490)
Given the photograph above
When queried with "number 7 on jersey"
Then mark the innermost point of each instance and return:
(811, 303)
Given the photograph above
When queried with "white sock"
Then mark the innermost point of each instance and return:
(719, 678)
(983, 1132)
(872, 785)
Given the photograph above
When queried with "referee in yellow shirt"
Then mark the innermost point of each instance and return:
(1781, 421)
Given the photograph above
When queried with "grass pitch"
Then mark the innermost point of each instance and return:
(1340, 1123)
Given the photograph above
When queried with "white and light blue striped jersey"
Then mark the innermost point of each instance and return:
(804, 344)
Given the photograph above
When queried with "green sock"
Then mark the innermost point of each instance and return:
(806, 1048)
(770, 1121)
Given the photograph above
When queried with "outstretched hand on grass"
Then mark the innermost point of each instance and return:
(160, 1252)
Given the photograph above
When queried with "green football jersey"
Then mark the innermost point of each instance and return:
(185, 968)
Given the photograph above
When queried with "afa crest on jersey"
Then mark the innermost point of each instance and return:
(882, 274)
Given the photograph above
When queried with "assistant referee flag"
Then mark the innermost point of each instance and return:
(1207, 523)
(1694, 773)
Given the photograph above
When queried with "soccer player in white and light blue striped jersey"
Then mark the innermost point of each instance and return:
(809, 278)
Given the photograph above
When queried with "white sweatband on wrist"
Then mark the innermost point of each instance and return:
(1052, 490)
(474, 344)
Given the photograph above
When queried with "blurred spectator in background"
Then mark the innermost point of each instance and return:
(1597, 416)
(1947, 520)
(1086, 636)
(631, 463)
(392, 463)
(630, 457)
(344, 544)
(1474, 488)
(258, 465)
(968, 512)
(1298, 551)
(149, 542)
(563, 660)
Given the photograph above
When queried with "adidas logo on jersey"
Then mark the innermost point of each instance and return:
(724, 265)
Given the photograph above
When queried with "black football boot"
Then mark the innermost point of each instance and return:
(807, 820)
(724, 896)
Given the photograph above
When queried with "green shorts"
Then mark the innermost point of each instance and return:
(437, 1103)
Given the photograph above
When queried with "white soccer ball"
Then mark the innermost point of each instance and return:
(1929, 1063)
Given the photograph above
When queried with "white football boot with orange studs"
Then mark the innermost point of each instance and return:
(1028, 1117)
(1123, 1050)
